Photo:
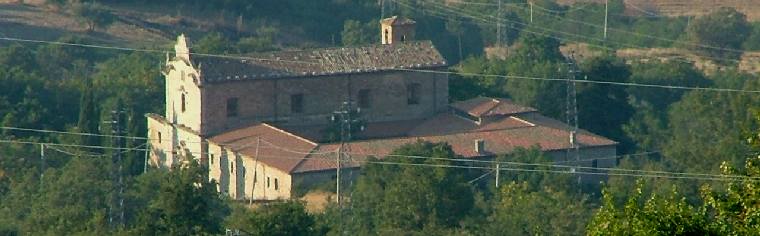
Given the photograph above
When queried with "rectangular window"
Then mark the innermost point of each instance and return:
(413, 94)
(232, 107)
(182, 98)
(232, 167)
(276, 184)
(211, 158)
(159, 137)
(296, 103)
(364, 98)
(267, 182)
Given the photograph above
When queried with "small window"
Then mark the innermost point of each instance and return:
(232, 167)
(211, 158)
(232, 107)
(595, 163)
(182, 98)
(364, 98)
(296, 103)
(403, 38)
(276, 184)
(267, 182)
(386, 36)
(413, 94)
(159, 137)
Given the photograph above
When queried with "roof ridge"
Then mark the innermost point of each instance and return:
(290, 134)
(307, 156)
(496, 104)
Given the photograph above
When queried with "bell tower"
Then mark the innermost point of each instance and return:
(396, 30)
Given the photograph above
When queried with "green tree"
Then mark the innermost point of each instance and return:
(187, 204)
(89, 120)
(279, 218)
(720, 33)
(647, 128)
(68, 200)
(91, 13)
(669, 215)
(604, 108)
(415, 197)
(213, 43)
(714, 120)
(534, 56)
(752, 43)
(519, 210)
(357, 33)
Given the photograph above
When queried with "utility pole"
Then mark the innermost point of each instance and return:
(147, 155)
(498, 25)
(116, 217)
(42, 165)
(382, 9)
(606, 15)
(571, 115)
(531, 10)
(255, 168)
(337, 174)
(498, 168)
(344, 118)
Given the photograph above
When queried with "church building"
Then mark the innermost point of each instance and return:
(269, 126)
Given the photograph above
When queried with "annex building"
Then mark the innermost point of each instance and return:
(260, 122)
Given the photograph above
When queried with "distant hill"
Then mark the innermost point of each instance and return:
(133, 24)
(751, 8)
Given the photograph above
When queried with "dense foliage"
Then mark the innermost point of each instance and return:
(59, 87)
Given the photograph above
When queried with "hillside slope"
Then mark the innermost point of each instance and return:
(751, 8)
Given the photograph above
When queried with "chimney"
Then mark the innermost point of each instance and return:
(396, 30)
(573, 138)
(480, 146)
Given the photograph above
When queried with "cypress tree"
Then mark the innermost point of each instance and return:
(88, 116)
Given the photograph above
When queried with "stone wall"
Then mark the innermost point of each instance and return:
(235, 176)
(169, 142)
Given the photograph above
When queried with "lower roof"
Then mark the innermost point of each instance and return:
(297, 149)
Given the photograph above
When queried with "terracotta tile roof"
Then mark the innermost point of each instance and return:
(484, 106)
(244, 141)
(396, 20)
(372, 131)
(501, 135)
(320, 62)
(448, 123)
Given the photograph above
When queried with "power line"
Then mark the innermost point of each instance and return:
(651, 36)
(68, 132)
(634, 173)
(482, 17)
(427, 71)
(571, 167)
(590, 81)
(540, 164)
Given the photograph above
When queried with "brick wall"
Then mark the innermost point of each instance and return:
(269, 100)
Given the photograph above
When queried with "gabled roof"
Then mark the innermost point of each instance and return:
(265, 140)
(397, 20)
(320, 62)
(484, 106)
